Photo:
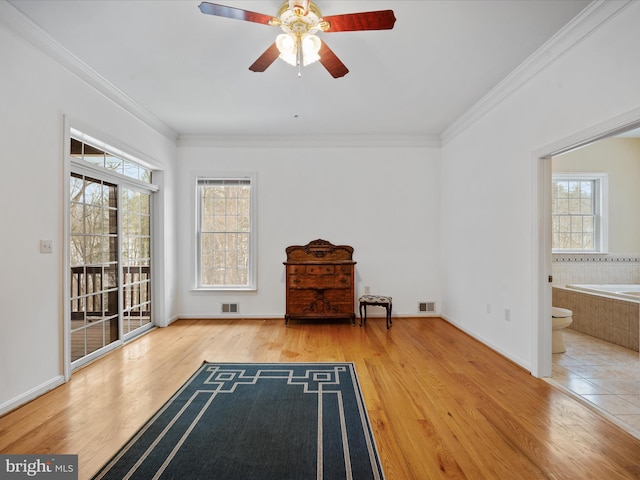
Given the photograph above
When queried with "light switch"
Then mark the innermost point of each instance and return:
(46, 246)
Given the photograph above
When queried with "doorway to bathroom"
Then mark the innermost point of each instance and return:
(600, 364)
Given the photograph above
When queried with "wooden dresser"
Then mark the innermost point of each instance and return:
(320, 281)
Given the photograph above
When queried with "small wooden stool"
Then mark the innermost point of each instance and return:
(377, 300)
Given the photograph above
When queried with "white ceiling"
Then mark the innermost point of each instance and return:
(191, 70)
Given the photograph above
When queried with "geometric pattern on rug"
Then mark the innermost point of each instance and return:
(256, 421)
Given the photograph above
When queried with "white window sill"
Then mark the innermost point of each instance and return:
(223, 289)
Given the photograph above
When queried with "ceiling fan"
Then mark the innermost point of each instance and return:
(300, 20)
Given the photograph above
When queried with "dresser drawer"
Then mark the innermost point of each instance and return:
(320, 269)
(339, 295)
(304, 296)
(304, 302)
(320, 281)
(300, 269)
(320, 303)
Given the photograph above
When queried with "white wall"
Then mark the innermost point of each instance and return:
(489, 181)
(36, 93)
(384, 202)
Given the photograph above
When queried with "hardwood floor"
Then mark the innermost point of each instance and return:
(442, 405)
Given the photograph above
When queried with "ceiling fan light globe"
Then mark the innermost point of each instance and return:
(310, 48)
(286, 42)
(287, 46)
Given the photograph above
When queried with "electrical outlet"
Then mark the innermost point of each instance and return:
(367, 290)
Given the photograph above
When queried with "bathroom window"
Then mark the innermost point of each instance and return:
(579, 207)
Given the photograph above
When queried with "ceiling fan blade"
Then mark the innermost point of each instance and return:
(331, 62)
(231, 12)
(349, 22)
(265, 60)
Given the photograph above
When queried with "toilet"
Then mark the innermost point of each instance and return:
(560, 318)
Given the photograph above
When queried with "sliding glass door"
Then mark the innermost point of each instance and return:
(136, 259)
(94, 264)
(110, 244)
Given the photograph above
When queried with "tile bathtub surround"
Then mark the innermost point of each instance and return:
(603, 268)
(610, 319)
(605, 375)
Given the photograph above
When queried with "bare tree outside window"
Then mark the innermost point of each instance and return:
(109, 248)
(224, 232)
(577, 212)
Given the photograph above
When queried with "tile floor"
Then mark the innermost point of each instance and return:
(605, 375)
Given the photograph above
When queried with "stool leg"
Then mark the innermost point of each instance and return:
(388, 316)
(361, 314)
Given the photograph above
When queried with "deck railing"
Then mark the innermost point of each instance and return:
(94, 291)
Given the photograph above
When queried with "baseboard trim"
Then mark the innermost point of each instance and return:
(31, 394)
(240, 316)
(518, 361)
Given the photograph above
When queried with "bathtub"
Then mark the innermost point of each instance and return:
(610, 312)
(628, 291)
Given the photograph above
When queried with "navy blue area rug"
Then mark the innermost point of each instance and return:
(256, 421)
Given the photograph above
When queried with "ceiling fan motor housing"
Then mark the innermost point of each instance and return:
(300, 19)
(300, 7)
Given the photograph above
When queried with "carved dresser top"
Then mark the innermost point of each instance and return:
(319, 251)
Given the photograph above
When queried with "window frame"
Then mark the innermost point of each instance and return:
(601, 206)
(110, 152)
(251, 285)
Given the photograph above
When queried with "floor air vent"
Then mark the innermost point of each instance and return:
(230, 307)
(426, 307)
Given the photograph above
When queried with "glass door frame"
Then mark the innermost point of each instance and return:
(96, 283)
(70, 166)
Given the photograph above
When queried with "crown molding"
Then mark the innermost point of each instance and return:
(324, 141)
(594, 15)
(17, 22)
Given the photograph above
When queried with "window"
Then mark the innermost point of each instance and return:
(579, 212)
(114, 162)
(226, 233)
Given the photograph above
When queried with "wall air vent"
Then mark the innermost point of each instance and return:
(230, 307)
(426, 307)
